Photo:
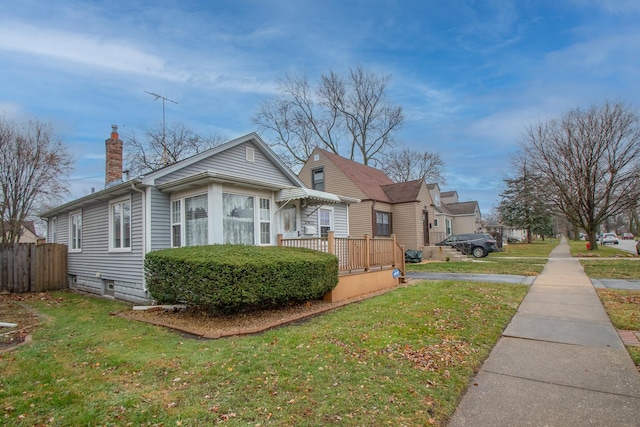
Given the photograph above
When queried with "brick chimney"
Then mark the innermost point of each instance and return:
(113, 172)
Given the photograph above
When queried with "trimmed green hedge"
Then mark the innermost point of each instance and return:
(237, 277)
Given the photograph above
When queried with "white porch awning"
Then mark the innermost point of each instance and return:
(313, 196)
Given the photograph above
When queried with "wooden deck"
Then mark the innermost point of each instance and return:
(365, 264)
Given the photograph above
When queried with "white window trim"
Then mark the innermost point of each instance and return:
(182, 196)
(179, 223)
(332, 219)
(111, 226)
(53, 232)
(262, 221)
(71, 248)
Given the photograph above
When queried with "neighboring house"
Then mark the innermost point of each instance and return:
(239, 192)
(507, 232)
(452, 216)
(28, 233)
(404, 209)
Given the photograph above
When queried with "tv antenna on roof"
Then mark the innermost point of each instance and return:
(164, 146)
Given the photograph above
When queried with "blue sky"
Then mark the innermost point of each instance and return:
(470, 75)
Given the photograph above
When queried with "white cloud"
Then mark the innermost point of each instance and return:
(10, 111)
(84, 49)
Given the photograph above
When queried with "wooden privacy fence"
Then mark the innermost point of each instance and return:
(27, 267)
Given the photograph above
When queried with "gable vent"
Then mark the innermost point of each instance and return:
(250, 155)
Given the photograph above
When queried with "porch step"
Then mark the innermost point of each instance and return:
(441, 253)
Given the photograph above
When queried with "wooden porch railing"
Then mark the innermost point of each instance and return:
(355, 255)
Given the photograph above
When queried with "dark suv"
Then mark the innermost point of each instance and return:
(478, 245)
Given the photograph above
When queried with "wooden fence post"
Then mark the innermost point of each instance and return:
(331, 242)
(367, 251)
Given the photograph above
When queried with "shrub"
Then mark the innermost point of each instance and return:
(236, 277)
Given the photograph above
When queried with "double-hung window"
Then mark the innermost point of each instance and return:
(176, 224)
(75, 232)
(383, 223)
(317, 179)
(120, 225)
(265, 221)
(325, 221)
(53, 227)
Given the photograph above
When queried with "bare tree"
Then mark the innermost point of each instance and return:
(160, 147)
(33, 163)
(590, 159)
(347, 116)
(407, 165)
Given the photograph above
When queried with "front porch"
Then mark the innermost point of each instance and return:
(365, 265)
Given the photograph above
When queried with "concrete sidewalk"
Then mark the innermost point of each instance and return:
(559, 362)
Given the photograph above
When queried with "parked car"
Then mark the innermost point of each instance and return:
(638, 247)
(627, 236)
(478, 245)
(609, 238)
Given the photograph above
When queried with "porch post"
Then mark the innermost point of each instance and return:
(393, 249)
(331, 242)
(367, 251)
(279, 240)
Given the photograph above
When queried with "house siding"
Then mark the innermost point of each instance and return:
(94, 266)
(233, 162)
(310, 216)
(360, 219)
(334, 180)
(405, 225)
(160, 220)
(465, 224)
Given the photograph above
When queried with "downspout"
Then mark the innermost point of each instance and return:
(373, 218)
(143, 196)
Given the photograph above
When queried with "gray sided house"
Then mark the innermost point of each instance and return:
(239, 192)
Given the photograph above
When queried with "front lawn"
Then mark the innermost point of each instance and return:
(579, 249)
(488, 265)
(623, 308)
(403, 358)
(538, 248)
(612, 268)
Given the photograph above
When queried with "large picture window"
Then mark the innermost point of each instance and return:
(121, 225)
(238, 219)
(75, 232)
(383, 223)
(196, 220)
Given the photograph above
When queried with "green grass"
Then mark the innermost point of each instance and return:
(612, 269)
(623, 308)
(579, 249)
(489, 265)
(522, 259)
(403, 358)
(537, 248)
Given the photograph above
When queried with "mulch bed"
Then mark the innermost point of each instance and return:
(203, 324)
